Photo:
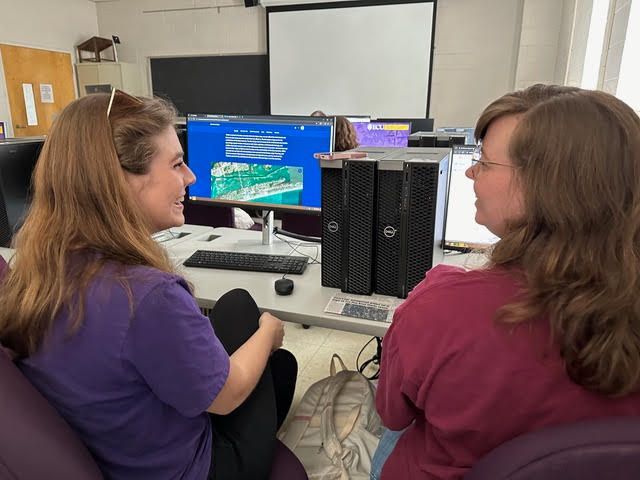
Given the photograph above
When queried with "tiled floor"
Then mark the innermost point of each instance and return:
(313, 349)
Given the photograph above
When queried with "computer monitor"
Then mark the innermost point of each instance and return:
(462, 232)
(263, 162)
(380, 134)
(468, 132)
(17, 161)
(417, 124)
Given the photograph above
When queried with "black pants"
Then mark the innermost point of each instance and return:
(244, 440)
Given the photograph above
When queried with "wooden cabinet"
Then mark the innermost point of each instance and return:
(103, 76)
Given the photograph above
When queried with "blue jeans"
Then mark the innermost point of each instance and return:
(385, 447)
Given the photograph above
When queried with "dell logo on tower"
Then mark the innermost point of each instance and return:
(333, 226)
(389, 232)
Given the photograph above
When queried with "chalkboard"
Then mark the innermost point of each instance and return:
(224, 84)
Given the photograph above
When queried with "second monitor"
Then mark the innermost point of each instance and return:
(382, 134)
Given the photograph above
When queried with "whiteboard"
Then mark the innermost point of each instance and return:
(358, 60)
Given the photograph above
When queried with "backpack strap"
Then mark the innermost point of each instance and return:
(332, 367)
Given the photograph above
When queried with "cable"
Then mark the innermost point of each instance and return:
(375, 359)
(314, 260)
(297, 236)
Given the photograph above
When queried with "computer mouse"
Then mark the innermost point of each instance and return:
(284, 286)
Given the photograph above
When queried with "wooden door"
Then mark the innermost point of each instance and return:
(36, 67)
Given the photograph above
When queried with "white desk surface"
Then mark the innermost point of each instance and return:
(306, 303)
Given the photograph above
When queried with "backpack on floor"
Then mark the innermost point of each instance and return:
(335, 430)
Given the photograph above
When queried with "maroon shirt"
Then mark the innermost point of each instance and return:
(3, 266)
(464, 384)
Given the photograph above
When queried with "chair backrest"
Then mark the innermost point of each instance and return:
(593, 449)
(35, 442)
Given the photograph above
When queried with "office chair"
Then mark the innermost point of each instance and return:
(36, 443)
(586, 450)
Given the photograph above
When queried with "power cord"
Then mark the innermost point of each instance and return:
(377, 357)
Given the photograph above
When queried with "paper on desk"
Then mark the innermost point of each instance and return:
(360, 306)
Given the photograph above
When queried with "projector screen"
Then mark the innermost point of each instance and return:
(351, 60)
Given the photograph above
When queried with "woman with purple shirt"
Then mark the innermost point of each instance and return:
(107, 330)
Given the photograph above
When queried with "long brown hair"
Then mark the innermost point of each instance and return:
(345, 135)
(81, 205)
(577, 154)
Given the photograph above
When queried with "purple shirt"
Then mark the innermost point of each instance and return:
(135, 386)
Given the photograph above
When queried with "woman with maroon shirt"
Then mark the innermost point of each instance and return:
(548, 331)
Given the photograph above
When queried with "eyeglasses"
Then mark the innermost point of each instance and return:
(476, 158)
(115, 91)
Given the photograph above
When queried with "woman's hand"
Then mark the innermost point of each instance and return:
(275, 326)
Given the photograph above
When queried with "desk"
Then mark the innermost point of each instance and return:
(305, 305)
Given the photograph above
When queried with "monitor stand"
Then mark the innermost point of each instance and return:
(267, 227)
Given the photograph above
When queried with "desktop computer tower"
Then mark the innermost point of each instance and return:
(411, 211)
(348, 221)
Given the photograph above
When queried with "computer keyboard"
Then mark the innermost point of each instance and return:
(250, 262)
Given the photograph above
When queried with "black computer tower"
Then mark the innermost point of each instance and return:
(348, 221)
(411, 211)
(436, 140)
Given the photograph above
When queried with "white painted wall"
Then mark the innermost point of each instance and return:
(614, 44)
(578, 46)
(184, 28)
(539, 43)
(51, 25)
(564, 41)
(475, 59)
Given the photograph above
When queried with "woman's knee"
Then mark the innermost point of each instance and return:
(237, 295)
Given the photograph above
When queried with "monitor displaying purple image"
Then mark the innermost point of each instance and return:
(383, 134)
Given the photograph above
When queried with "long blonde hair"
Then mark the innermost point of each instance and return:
(577, 154)
(81, 211)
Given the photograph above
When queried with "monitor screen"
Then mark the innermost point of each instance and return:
(468, 132)
(381, 134)
(17, 161)
(258, 161)
(462, 232)
(417, 124)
